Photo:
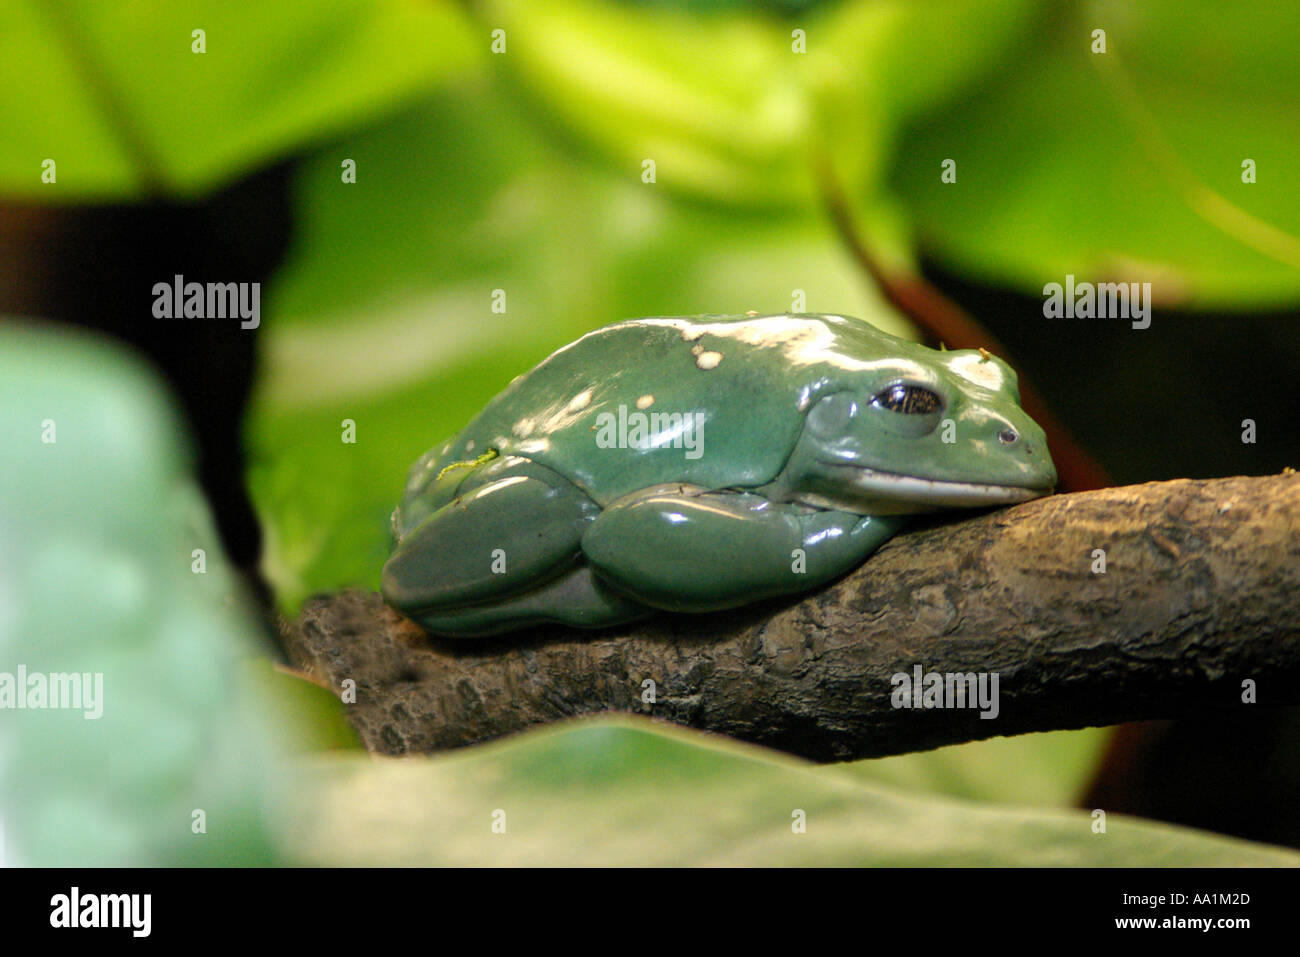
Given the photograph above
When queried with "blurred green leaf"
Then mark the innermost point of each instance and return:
(113, 93)
(787, 7)
(311, 715)
(734, 106)
(1127, 165)
(100, 519)
(619, 792)
(1040, 770)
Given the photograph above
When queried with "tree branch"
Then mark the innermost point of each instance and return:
(1200, 592)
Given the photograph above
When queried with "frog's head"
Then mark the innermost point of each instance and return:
(918, 431)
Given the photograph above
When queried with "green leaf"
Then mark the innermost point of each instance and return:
(1042, 770)
(310, 713)
(1127, 165)
(733, 105)
(100, 576)
(115, 95)
(623, 792)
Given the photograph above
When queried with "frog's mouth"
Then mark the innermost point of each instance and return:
(871, 491)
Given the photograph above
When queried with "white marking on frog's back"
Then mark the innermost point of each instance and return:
(708, 360)
(804, 339)
(979, 370)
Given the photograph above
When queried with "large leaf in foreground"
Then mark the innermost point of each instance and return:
(621, 792)
(111, 569)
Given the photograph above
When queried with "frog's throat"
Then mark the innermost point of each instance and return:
(873, 492)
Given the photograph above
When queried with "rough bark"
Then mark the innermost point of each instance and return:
(1200, 593)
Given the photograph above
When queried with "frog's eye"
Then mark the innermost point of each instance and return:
(908, 399)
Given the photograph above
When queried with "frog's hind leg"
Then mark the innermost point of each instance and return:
(509, 526)
(688, 549)
(576, 598)
(502, 552)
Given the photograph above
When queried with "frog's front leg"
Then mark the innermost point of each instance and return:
(686, 549)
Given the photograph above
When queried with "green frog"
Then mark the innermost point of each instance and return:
(699, 464)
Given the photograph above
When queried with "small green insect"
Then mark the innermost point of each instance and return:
(697, 464)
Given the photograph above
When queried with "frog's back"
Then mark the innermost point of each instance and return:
(720, 401)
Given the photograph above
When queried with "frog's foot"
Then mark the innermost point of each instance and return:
(510, 528)
(576, 598)
(686, 549)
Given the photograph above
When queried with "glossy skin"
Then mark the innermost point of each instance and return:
(802, 442)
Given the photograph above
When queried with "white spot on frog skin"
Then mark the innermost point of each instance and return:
(709, 360)
(580, 401)
(645, 402)
(980, 371)
(534, 446)
(469, 446)
(696, 350)
(803, 341)
(523, 428)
